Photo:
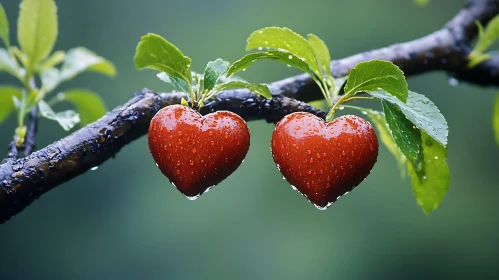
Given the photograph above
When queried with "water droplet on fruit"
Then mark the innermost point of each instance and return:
(297, 127)
(212, 143)
(179, 133)
(311, 160)
(323, 207)
(284, 178)
(453, 82)
(192, 197)
(278, 167)
(178, 163)
(294, 188)
(96, 167)
(194, 150)
(371, 146)
(309, 152)
(344, 153)
(191, 163)
(157, 164)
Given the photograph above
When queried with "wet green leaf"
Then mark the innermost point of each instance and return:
(422, 112)
(154, 52)
(406, 136)
(37, 28)
(7, 101)
(80, 59)
(66, 119)
(88, 104)
(385, 135)
(177, 83)
(431, 188)
(377, 75)
(322, 54)
(262, 90)
(287, 40)
(282, 56)
(214, 70)
(4, 27)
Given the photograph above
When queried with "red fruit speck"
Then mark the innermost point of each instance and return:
(178, 140)
(346, 150)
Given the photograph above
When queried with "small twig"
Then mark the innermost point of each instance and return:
(30, 140)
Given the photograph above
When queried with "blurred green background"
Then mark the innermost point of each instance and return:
(125, 220)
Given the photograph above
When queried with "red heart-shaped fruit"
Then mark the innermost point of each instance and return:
(322, 160)
(197, 152)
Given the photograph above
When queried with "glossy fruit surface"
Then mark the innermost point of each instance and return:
(323, 160)
(197, 152)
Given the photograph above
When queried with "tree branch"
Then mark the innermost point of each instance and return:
(25, 179)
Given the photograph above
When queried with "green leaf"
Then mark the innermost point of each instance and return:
(282, 56)
(495, 119)
(477, 58)
(422, 112)
(488, 36)
(53, 60)
(386, 137)
(177, 83)
(4, 27)
(22, 57)
(406, 136)
(50, 78)
(154, 52)
(66, 119)
(214, 70)
(6, 100)
(37, 28)
(287, 40)
(88, 104)
(322, 53)
(431, 188)
(376, 75)
(80, 59)
(9, 65)
(262, 90)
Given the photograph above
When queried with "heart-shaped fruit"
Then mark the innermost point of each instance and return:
(197, 152)
(322, 160)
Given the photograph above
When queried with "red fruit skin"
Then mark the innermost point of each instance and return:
(197, 152)
(324, 160)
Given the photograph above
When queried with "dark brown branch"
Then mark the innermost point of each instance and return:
(25, 179)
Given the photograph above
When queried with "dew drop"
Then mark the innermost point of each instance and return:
(323, 207)
(364, 112)
(244, 69)
(424, 177)
(260, 48)
(290, 57)
(96, 167)
(453, 82)
(436, 157)
(341, 107)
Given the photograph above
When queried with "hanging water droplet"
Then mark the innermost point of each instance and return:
(453, 82)
(323, 207)
(95, 167)
(192, 197)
